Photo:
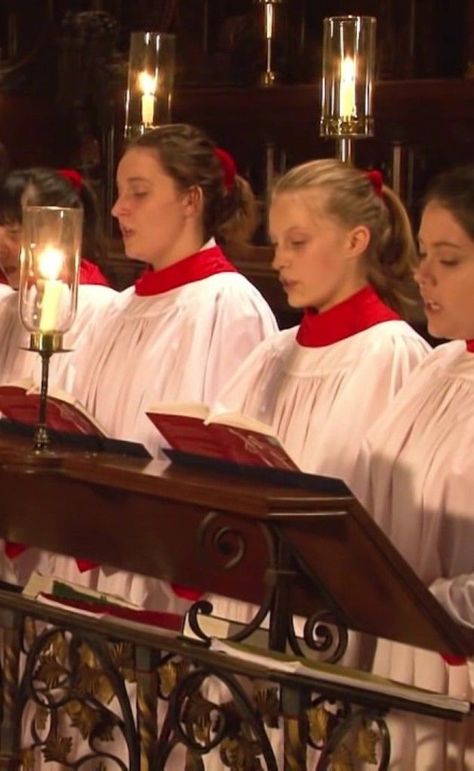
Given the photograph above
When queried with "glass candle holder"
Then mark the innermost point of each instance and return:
(150, 82)
(348, 76)
(50, 258)
(47, 295)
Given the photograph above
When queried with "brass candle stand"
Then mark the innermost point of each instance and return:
(44, 343)
(269, 23)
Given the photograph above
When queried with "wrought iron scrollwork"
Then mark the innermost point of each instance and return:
(199, 719)
(348, 737)
(73, 682)
(323, 634)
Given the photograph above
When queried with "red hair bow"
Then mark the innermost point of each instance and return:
(228, 167)
(375, 178)
(72, 176)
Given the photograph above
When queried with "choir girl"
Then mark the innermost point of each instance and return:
(416, 472)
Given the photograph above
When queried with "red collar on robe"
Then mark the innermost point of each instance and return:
(90, 273)
(205, 263)
(3, 278)
(470, 346)
(359, 312)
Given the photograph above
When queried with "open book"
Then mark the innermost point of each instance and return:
(354, 680)
(190, 428)
(66, 595)
(66, 418)
(19, 403)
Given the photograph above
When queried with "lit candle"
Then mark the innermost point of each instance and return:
(147, 84)
(50, 264)
(268, 21)
(347, 88)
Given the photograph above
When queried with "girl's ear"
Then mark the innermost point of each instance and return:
(193, 201)
(358, 240)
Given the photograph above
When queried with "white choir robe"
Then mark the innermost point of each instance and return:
(18, 364)
(180, 345)
(320, 401)
(416, 477)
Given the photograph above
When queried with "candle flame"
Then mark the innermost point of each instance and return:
(147, 82)
(50, 263)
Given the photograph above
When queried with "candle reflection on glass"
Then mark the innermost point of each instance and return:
(147, 85)
(50, 265)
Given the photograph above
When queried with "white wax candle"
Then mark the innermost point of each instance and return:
(51, 305)
(50, 264)
(347, 88)
(148, 86)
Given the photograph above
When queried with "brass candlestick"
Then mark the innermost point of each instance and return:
(269, 11)
(44, 343)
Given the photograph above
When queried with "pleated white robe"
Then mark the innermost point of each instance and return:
(180, 345)
(416, 476)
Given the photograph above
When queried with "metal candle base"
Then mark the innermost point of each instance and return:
(46, 343)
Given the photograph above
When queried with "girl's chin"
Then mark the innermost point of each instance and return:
(296, 301)
(443, 332)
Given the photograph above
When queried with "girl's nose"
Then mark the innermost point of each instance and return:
(118, 206)
(423, 273)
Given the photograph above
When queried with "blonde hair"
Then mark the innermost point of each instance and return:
(350, 197)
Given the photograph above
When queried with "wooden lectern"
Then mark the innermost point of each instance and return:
(286, 549)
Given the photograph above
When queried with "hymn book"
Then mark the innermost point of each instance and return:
(230, 436)
(354, 680)
(19, 403)
(57, 592)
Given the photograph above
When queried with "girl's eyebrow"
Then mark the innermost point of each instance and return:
(137, 179)
(440, 244)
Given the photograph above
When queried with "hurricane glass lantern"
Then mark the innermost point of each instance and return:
(47, 296)
(150, 82)
(347, 80)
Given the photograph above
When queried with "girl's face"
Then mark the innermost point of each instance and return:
(318, 259)
(10, 246)
(159, 223)
(445, 274)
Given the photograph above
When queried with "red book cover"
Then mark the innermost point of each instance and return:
(20, 405)
(162, 619)
(216, 439)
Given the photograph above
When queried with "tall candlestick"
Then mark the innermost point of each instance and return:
(148, 86)
(347, 88)
(50, 265)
